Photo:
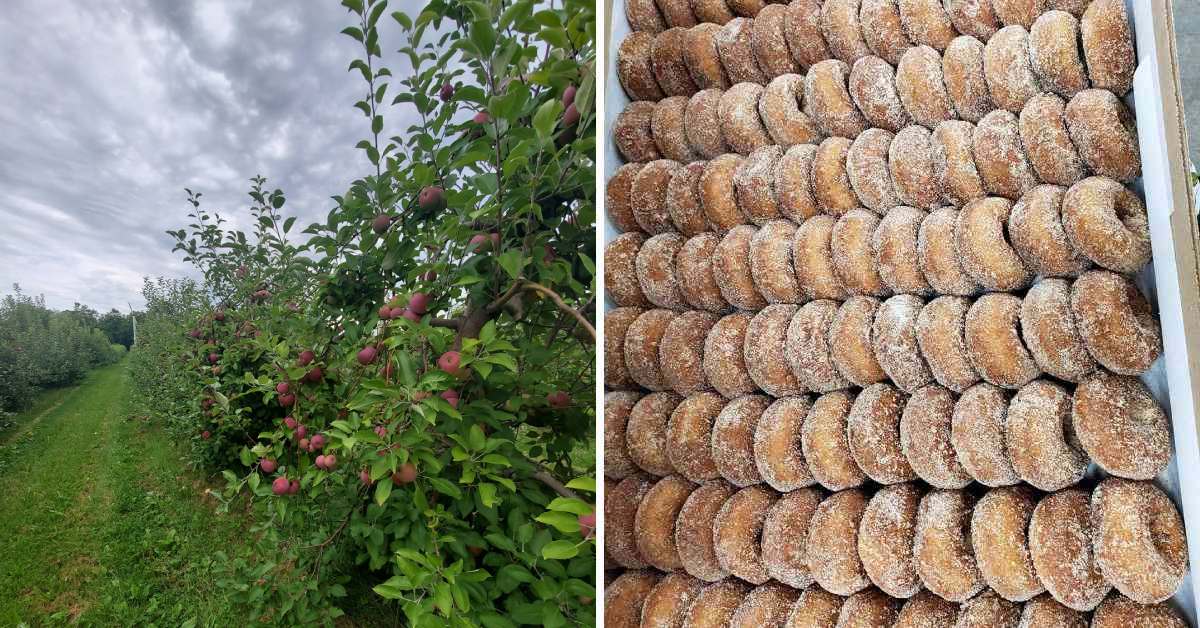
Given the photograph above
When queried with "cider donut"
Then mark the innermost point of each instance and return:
(717, 193)
(702, 57)
(769, 43)
(1121, 426)
(827, 99)
(998, 535)
(785, 531)
(926, 23)
(683, 200)
(694, 530)
(885, 539)
(882, 29)
(702, 124)
(1108, 46)
(833, 543)
(753, 184)
(620, 509)
(646, 433)
(737, 53)
(867, 169)
(938, 257)
(620, 270)
(925, 428)
(1060, 541)
(654, 523)
(1116, 322)
(626, 596)
(976, 18)
(895, 245)
(1051, 334)
(715, 604)
(793, 183)
(852, 254)
(616, 324)
(666, 125)
(850, 341)
(988, 610)
(616, 198)
(689, 436)
(926, 610)
(617, 407)
(635, 68)
(965, 78)
(733, 439)
(1118, 611)
(771, 264)
(954, 171)
(843, 34)
(669, 64)
(812, 255)
(941, 337)
(894, 340)
(1036, 230)
(802, 27)
(1047, 142)
(867, 609)
(873, 433)
(910, 162)
(777, 451)
(980, 237)
(1042, 445)
(677, 12)
(643, 15)
(768, 604)
(633, 133)
(724, 361)
(994, 342)
(1000, 156)
(1008, 69)
(732, 270)
(942, 552)
(642, 340)
(741, 126)
(1108, 224)
(872, 86)
(648, 195)
(668, 601)
(1074, 7)
(816, 607)
(1055, 54)
(977, 433)
(764, 349)
(1022, 12)
(681, 352)
(779, 108)
(830, 182)
(1105, 132)
(919, 81)
(737, 530)
(695, 274)
(1044, 611)
(824, 444)
(807, 347)
(746, 8)
(655, 264)
(714, 11)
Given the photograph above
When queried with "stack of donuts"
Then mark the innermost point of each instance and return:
(876, 341)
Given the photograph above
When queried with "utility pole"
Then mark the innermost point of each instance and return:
(134, 319)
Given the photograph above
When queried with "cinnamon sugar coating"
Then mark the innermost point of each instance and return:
(941, 336)
(689, 436)
(642, 340)
(695, 274)
(980, 237)
(895, 246)
(872, 87)
(741, 126)
(684, 203)
(978, 434)
(731, 269)
(910, 161)
(813, 258)
(925, 429)
(620, 509)
(654, 523)
(1041, 441)
(1008, 69)
(753, 185)
(894, 340)
(733, 439)
(926, 23)
(625, 597)
(1047, 142)
(1036, 230)
(716, 603)
(825, 445)
(769, 42)
(883, 30)
(764, 351)
(779, 106)
(1108, 224)
(867, 169)
(873, 433)
(669, 64)
(850, 341)
(617, 408)
(785, 531)
(648, 196)
(807, 347)
(724, 361)
(965, 78)
(942, 551)
(737, 52)
(702, 124)
(620, 270)
(1108, 46)
(998, 534)
(655, 266)
(1060, 541)
(777, 450)
(1116, 322)
(922, 88)
(802, 28)
(852, 254)
(833, 543)
(995, 344)
(1000, 156)
(1105, 132)
(1121, 426)
(718, 196)
(646, 432)
(616, 197)
(938, 255)
(1051, 333)
(885, 539)
(666, 125)
(702, 57)
(633, 133)
(616, 324)
(694, 530)
(827, 99)
(1055, 53)
(954, 170)
(843, 33)
(737, 530)
(681, 352)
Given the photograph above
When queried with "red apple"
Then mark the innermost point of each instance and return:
(419, 302)
(385, 312)
(365, 477)
(287, 400)
(451, 397)
(451, 362)
(206, 434)
(294, 487)
(570, 117)
(429, 275)
(281, 486)
(320, 462)
(421, 395)
(317, 441)
(381, 223)
(446, 92)
(406, 474)
(314, 375)
(303, 444)
(306, 357)
(282, 388)
(219, 316)
(558, 399)
(568, 97)
(381, 431)
(241, 271)
(411, 315)
(587, 524)
(213, 357)
(431, 199)
(267, 465)
(290, 422)
(330, 462)
(301, 431)
(367, 355)
(482, 118)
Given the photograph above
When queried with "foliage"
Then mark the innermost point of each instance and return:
(117, 327)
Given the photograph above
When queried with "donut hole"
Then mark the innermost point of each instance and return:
(1130, 211)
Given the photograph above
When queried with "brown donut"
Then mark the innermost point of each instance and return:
(648, 196)
(843, 34)
(850, 341)
(1105, 132)
(642, 340)
(1121, 426)
(941, 336)
(779, 108)
(925, 428)
(655, 266)
(737, 52)
(643, 15)
(1047, 142)
(988, 610)
(998, 535)
(976, 18)
(885, 539)
(910, 161)
(764, 349)
(882, 29)
(717, 194)
(715, 604)
(926, 610)
(635, 68)
(1060, 541)
(793, 183)
(617, 407)
(696, 280)
(741, 125)
(1022, 12)
(1108, 46)
(1008, 69)
(1042, 445)
(824, 443)
(1000, 156)
(1107, 223)
(681, 352)
(702, 124)
(669, 64)
(994, 342)
(616, 324)
(867, 609)
(895, 245)
(926, 23)
(1118, 611)
(852, 254)
(731, 269)
(666, 125)
(830, 183)
(827, 99)
(785, 531)
(768, 604)
(1051, 334)
(654, 523)
(1074, 7)
(668, 601)
(677, 12)
(633, 133)
(1036, 230)
(816, 607)
(684, 204)
(833, 543)
(702, 57)
(919, 81)
(620, 270)
(733, 439)
(724, 361)
(873, 433)
(620, 509)
(1044, 611)
(807, 347)
(977, 432)
(746, 8)
(965, 78)
(694, 530)
(1116, 322)
(938, 257)
(777, 451)
(954, 171)
(715, 11)
(689, 436)
(625, 597)
(802, 27)
(812, 255)
(616, 198)
(753, 183)
(980, 237)
(942, 550)
(894, 340)
(872, 86)
(867, 168)
(1055, 54)
(646, 433)
(737, 530)
(769, 43)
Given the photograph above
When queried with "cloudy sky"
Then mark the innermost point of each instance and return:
(108, 109)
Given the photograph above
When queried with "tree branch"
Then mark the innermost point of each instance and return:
(451, 323)
(562, 305)
(544, 477)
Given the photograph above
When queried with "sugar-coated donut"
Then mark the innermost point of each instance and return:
(850, 341)
(830, 183)
(988, 610)
(648, 196)
(724, 358)
(746, 8)
(1107, 223)
(816, 607)
(1000, 157)
(868, 608)
(910, 162)
(983, 249)
(644, 15)
(812, 254)
(807, 347)
(741, 125)
(753, 184)
(616, 197)
(616, 324)
(994, 342)
(1036, 230)
(1022, 12)
(717, 193)
(895, 246)
(843, 33)
(1055, 54)
(793, 183)
(779, 108)
(768, 604)
(827, 99)
(1116, 322)
(1042, 445)
(681, 352)
(737, 53)
(694, 271)
(872, 86)
(867, 168)
(669, 64)
(702, 58)
(655, 264)
(803, 31)
(921, 86)
(1060, 541)
(689, 436)
(683, 200)
(1008, 69)
(617, 407)
(625, 597)
(824, 444)
(764, 349)
(737, 530)
(882, 29)
(642, 340)
(1047, 141)
(769, 42)
(941, 336)
(668, 601)
(938, 257)
(998, 534)
(666, 125)
(785, 531)
(702, 124)
(732, 270)
(1051, 333)
(716, 604)
(771, 264)
(1043, 610)
(885, 539)
(1121, 426)
(633, 133)
(942, 552)
(654, 523)
(714, 11)
(677, 12)
(620, 270)
(1118, 611)
(852, 254)
(927, 23)
(873, 433)
(646, 432)
(954, 171)
(1108, 45)
(977, 432)
(694, 530)
(833, 543)
(1105, 133)
(1074, 7)
(965, 78)
(620, 509)
(925, 428)
(926, 610)
(976, 18)
(894, 340)
(777, 451)
(635, 68)
(733, 439)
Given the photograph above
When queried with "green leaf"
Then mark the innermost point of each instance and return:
(487, 494)
(545, 119)
(383, 489)
(513, 262)
(445, 487)
(583, 484)
(563, 522)
(497, 459)
(568, 504)
(560, 550)
(354, 32)
(476, 439)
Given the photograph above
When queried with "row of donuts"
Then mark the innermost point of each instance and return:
(646, 599)
(1075, 544)
(1062, 51)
